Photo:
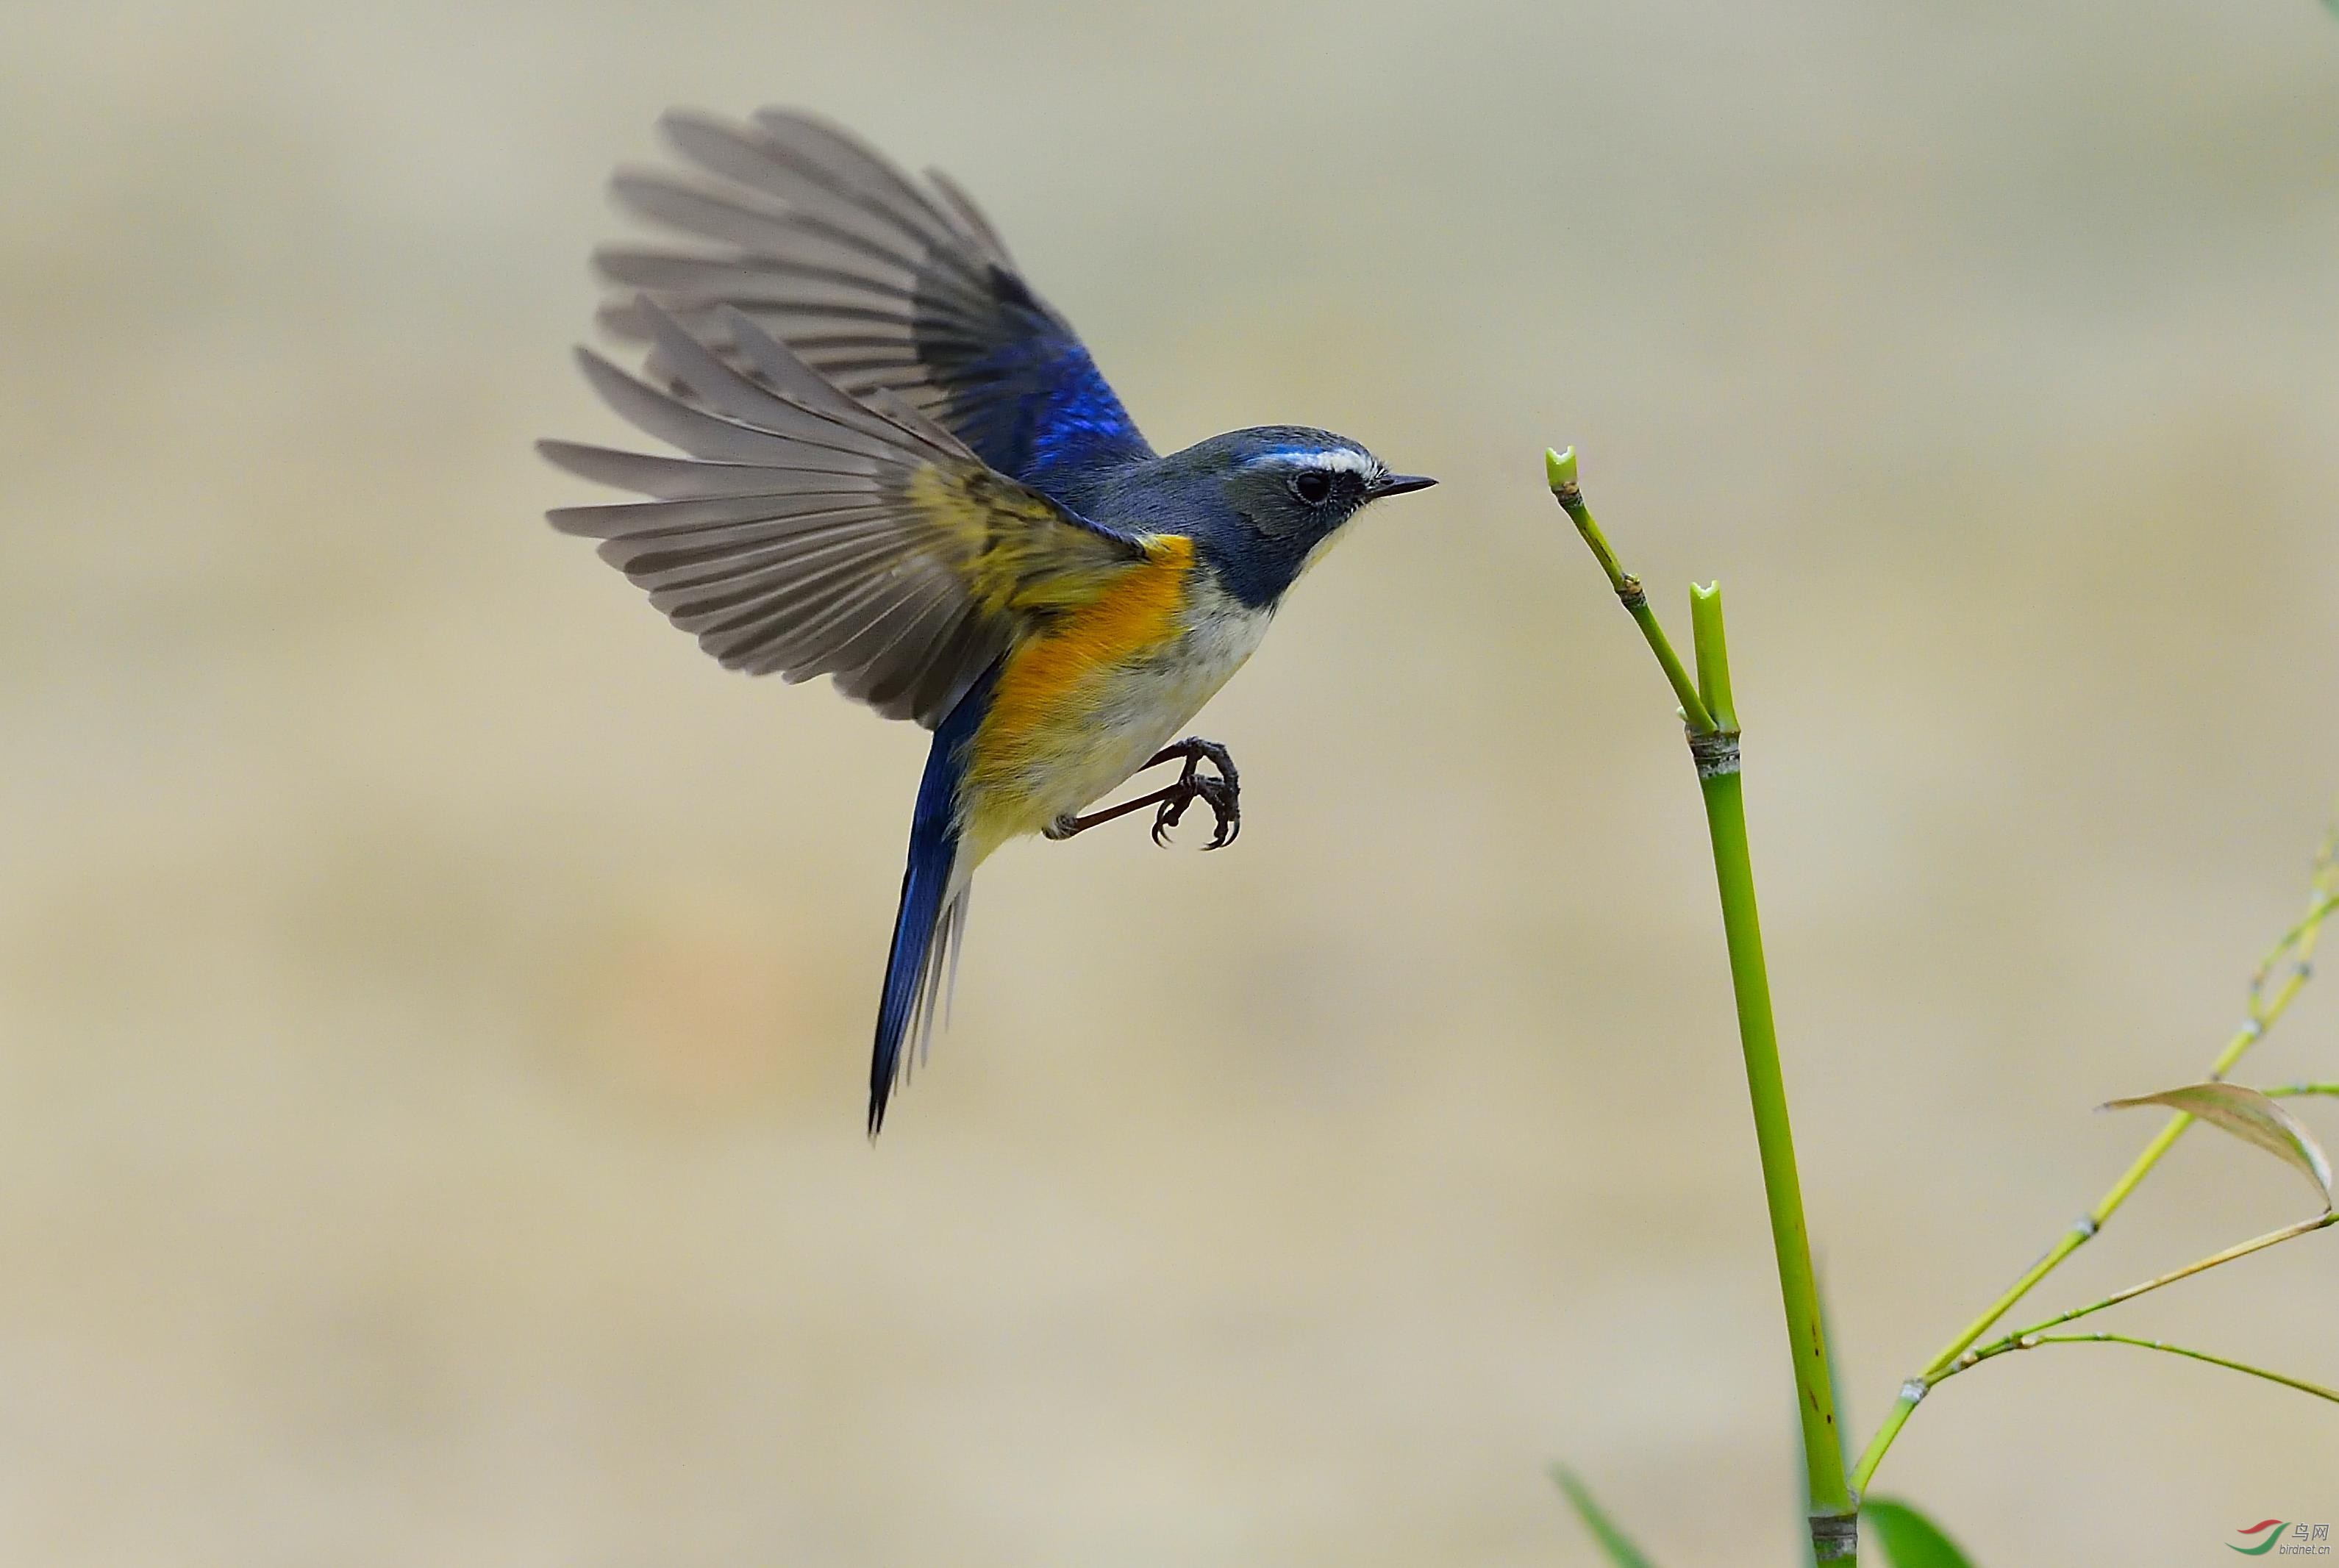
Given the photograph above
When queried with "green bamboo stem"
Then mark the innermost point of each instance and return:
(1709, 713)
(2282, 1090)
(1833, 1511)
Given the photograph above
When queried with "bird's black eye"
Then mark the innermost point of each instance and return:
(1312, 486)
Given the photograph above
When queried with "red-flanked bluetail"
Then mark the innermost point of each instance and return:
(902, 469)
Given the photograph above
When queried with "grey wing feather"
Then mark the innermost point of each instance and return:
(803, 534)
(791, 551)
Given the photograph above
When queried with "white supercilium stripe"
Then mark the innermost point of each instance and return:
(1331, 458)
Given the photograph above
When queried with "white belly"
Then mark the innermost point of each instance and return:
(1144, 708)
(1117, 724)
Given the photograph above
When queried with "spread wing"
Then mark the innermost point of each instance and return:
(810, 533)
(874, 279)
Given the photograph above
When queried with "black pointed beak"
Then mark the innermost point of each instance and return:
(1398, 484)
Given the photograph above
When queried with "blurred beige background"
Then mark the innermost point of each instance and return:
(434, 998)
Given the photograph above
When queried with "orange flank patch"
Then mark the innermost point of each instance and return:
(1044, 696)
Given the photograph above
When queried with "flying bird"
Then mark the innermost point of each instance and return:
(900, 468)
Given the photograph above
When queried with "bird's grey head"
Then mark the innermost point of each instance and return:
(1282, 491)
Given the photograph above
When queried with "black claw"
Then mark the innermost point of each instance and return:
(1221, 794)
(1222, 800)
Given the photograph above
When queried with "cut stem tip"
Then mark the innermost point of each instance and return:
(1559, 468)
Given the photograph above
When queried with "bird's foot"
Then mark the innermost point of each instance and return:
(1220, 790)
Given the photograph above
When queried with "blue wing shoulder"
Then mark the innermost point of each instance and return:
(879, 281)
(1031, 402)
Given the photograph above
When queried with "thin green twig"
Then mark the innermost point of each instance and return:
(1559, 468)
(2265, 1009)
(2239, 1250)
(2031, 1341)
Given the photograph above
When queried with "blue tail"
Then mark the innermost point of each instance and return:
(923, 935)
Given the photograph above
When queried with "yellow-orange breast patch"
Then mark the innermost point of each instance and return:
(1041, 688)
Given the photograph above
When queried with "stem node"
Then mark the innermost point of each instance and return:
(1835, 1537)
(1715, 752)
